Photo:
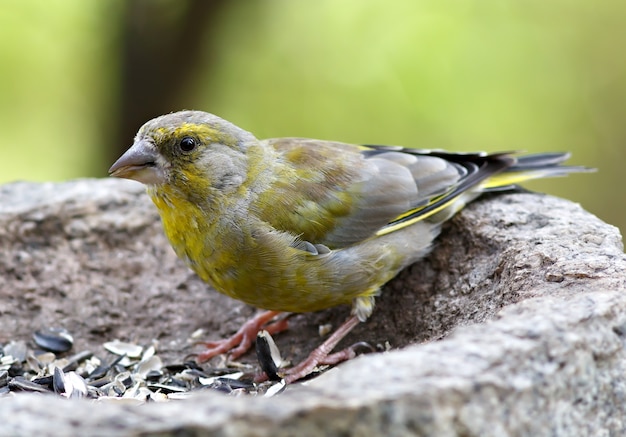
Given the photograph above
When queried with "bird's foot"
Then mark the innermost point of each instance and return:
(322, 356)
(239, 343)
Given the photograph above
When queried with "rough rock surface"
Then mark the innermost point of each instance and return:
(515, 324)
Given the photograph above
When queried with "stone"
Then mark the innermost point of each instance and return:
(514, 325)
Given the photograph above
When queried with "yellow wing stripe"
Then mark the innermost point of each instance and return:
(394, 227)
(513, 178)
(497, 181)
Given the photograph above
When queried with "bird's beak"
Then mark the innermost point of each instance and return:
(140, 163)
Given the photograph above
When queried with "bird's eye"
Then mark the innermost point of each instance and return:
(187, 144)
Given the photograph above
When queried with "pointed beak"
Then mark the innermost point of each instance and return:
(140, 163)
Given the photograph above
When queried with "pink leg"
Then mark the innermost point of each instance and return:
(321, 354)
(241, 341)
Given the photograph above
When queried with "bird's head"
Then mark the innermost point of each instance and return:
(192, 152)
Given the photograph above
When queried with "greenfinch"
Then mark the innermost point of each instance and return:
(298, 225)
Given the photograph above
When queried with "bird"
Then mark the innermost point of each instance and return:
(299, 225)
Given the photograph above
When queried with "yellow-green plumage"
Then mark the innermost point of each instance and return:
(301, 225)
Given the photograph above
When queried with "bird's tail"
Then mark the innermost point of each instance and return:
(486, 173)
(528, 167)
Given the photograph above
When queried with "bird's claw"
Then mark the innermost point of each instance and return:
(240, 342)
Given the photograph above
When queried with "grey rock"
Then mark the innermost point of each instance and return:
(515, 325)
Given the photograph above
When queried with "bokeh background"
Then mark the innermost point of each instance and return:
(79, 77)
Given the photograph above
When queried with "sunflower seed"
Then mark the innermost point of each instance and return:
(122, 348)
(268, 355)
(15, 350)
(54, 339)
(275, 389)
(20, 384)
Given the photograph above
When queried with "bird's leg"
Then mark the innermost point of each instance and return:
(242, 340)
(321, 354)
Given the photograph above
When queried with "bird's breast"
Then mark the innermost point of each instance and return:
(246, 259)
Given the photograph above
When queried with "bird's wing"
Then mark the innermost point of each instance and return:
(337, 194)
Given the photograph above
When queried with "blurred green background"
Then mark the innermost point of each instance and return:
(79, 77)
